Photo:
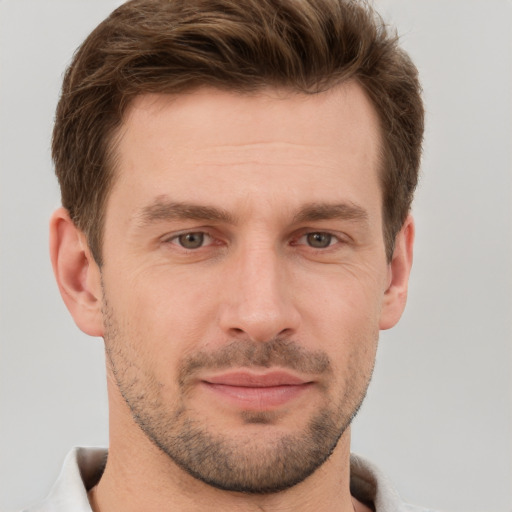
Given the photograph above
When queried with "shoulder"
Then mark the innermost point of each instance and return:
(81, 470)
(370, 485)
(414, 508)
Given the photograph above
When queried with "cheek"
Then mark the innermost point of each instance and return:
(349, 297)
(160, 294)
(162, 314)
(342, 318)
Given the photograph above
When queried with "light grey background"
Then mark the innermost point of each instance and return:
(438, 416)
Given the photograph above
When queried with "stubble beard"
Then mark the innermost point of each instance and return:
(247, 464)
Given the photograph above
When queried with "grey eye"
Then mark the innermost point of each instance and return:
(319, 240)
(191, 240)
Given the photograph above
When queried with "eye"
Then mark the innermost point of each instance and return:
(193, 240)
(318, 240)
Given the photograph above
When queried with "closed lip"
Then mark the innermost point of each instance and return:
(251, 391)
(256, 380)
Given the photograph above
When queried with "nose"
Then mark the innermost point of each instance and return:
(258, 301)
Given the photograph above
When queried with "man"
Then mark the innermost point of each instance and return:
(236, 182)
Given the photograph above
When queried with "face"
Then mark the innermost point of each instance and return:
(245, 277)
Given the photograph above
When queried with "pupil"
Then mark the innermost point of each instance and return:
(319, 240)
(192, 240)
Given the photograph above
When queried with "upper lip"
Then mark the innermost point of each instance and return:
(255, 380)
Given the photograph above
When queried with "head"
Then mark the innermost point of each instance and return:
(238, 178)
(174, 47)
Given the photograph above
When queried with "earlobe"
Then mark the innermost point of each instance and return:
(77, 274)
(395, 296)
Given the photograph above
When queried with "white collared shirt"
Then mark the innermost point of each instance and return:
(83, 468)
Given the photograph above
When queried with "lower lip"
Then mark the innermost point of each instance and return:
(258, 398)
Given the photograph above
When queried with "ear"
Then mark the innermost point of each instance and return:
(78, 276)
(395, 295)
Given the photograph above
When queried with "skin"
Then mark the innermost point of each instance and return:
(287, 172)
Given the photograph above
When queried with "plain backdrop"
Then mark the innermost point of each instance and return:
(437, 418)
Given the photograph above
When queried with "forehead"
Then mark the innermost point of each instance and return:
(340, 113)
(270, 140)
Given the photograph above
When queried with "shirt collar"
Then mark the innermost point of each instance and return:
(83, 468)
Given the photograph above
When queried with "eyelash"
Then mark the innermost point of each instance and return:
(176, 238)
(333, 239)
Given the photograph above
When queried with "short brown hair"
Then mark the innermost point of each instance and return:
(169, 46)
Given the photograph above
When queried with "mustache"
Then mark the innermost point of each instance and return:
(250, 354)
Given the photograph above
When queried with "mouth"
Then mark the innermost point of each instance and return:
(257, 392)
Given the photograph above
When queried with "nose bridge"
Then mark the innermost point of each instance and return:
(258, 301)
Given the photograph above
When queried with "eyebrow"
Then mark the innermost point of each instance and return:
(327, 211)
(165, 210)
